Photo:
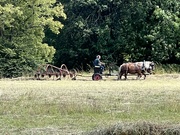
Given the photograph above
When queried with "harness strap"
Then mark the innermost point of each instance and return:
(143, 66)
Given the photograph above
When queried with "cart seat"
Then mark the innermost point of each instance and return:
(97, 69)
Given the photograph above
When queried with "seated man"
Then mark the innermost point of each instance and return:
(98, 63)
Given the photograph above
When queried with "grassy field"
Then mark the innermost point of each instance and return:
(73, 107)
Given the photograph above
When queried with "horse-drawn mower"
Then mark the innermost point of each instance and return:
(55, 72)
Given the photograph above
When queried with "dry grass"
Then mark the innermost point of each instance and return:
(140, 128)
(72, 107)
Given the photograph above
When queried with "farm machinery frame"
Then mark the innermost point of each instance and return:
(53, 71)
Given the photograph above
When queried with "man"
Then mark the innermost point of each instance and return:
(98, 63)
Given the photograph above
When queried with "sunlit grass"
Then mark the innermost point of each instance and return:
(77, 106)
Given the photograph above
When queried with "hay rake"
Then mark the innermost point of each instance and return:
(53, 71)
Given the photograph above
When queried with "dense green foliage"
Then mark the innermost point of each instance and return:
(22, 25)
(119, 30)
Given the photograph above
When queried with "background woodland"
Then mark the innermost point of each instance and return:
(73, 32)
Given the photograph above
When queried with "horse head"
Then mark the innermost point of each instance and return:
(150, 67)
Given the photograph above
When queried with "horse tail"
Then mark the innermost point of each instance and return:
(119, 71)
(120, 68)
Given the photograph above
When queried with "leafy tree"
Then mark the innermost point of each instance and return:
(119, 30)
(166, 34)
(22, 25)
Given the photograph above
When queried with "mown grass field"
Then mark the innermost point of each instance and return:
(73, 107)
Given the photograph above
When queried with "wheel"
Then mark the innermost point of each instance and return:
(96, 77)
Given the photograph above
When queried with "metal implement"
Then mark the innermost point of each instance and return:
(51, 70)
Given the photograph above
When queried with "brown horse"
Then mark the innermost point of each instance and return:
(132, 68)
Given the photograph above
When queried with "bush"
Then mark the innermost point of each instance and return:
(167, 68)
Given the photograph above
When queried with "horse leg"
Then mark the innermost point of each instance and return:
(144, 75)
(125, 75)
(121, 72)
(139, 75)
(120, 76)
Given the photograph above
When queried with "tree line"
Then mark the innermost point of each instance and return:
(73, 32)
